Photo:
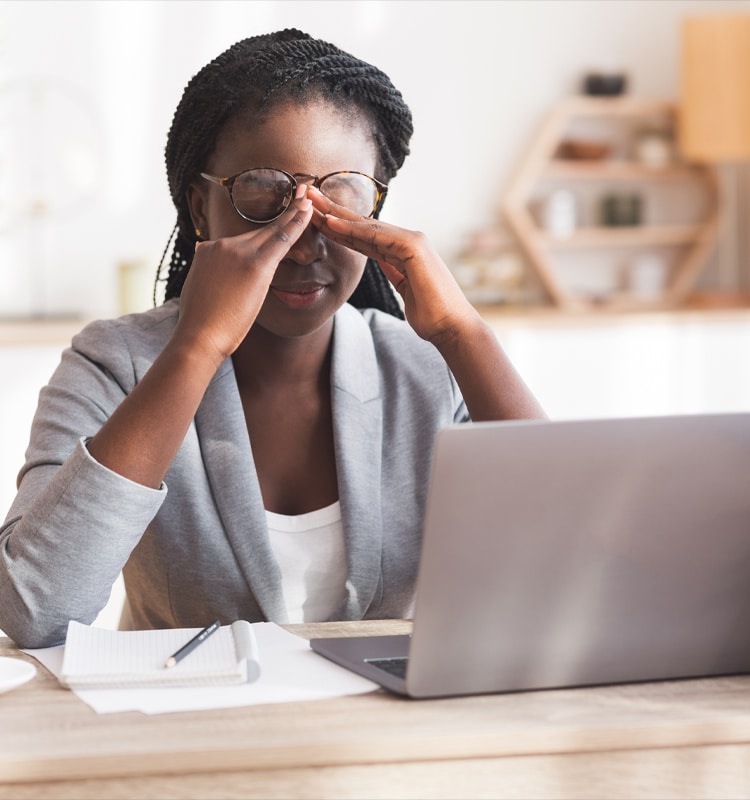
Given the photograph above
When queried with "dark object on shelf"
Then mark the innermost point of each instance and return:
(621, 210)
(599, 84)
(583, 150)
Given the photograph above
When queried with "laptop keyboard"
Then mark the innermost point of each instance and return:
(393, 666)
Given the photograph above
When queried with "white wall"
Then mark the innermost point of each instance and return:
(479, 77)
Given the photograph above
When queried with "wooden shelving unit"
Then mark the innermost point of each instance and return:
(689, 241)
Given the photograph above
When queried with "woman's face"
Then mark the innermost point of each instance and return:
(317, 276)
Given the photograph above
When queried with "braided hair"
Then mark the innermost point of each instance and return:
(253, 76)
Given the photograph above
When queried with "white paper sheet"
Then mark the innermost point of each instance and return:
(290, 672)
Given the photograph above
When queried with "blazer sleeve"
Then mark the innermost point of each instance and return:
(73, 523)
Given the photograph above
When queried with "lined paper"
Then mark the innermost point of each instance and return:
(97, 657)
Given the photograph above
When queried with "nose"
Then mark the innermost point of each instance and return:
(309, 248)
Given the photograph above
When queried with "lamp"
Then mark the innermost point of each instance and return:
(714, 122)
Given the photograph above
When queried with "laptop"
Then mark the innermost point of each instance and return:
(575, 553)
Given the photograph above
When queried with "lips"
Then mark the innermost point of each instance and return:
(298, 295)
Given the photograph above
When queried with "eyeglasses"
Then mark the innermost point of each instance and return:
(262, 194)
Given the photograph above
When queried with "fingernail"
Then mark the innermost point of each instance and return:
(301, 189)
(305, 204)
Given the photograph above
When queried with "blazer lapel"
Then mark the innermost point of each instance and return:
(230, 468)
(358, 434)
(357, 427)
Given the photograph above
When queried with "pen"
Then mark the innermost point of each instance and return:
(188, 648)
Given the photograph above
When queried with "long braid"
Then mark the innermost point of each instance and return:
(252, 76)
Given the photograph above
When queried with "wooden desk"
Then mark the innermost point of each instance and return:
(675, 739)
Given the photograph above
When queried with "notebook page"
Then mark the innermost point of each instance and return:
(100, 657)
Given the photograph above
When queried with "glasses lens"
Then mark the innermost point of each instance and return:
(261, 194)
(356, 192)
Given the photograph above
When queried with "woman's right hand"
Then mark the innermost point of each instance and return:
(229, 279)
(223, 293)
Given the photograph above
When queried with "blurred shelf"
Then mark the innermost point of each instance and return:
(39, 330)
(700, 307)
(565, 169)
(689, 241)
(626, 236)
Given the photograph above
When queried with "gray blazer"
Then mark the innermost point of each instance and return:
(197, 548)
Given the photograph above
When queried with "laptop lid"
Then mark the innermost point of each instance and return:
(574, 553)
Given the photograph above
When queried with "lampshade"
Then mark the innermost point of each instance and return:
(715, 76)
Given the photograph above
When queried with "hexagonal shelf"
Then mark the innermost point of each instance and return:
(590, 152)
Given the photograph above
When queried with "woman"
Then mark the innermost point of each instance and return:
(257, 447)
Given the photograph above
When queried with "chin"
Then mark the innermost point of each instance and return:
(295, 324)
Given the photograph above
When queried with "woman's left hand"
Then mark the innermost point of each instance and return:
(434, 304)
(436, 308)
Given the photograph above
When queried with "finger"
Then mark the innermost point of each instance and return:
(326, 209)
(274, 239)
(318, 219)
(280, 234)
(372, 238)
(325, 205)
(395, 276)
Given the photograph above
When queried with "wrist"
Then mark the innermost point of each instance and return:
(197, 351)
(468, 331)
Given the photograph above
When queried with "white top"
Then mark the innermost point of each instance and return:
(311, 554)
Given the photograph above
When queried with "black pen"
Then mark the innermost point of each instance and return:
(199, 638)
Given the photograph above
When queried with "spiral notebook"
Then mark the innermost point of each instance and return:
(100, 658)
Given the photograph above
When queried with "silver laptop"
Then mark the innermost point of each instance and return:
(560, 554)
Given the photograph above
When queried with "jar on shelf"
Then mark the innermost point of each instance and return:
(654, 148)
(559, 213)
(647, 276)
(621, 210)
(489, 267)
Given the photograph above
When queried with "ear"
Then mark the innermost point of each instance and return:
(196, 201)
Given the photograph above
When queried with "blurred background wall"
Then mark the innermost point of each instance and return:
(88, 88)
